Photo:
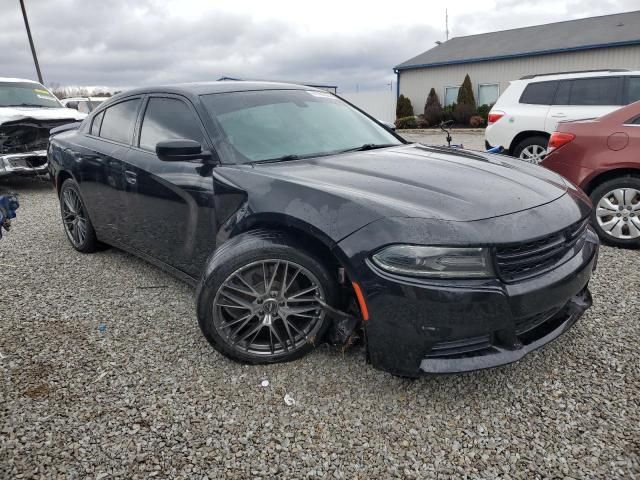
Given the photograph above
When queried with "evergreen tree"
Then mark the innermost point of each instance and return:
(404, 107)
(433, 108)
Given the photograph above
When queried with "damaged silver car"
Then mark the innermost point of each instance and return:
(28, 111)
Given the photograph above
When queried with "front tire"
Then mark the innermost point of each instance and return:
(532, 149)
(75, 219)
(258, 300)
(616, 210)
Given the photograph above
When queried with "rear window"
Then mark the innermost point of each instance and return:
(539, 93)
(119, 121)
(633, 89)
(595, 91)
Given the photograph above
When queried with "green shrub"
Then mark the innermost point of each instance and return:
(422, 122)
(404, 107)
(476, 121)
(406, 122)
(483, 111)
(433, 109)
(447, 112)
(463, 112)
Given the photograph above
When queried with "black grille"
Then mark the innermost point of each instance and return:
(524, 260)
(460, 347)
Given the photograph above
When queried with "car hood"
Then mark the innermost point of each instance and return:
(427, 182)
(12, 114)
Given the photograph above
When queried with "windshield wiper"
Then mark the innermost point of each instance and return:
(370, 146)
(30, 105)
(284, 158)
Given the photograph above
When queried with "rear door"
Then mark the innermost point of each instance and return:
(582, 98)
(171, 205)
(102, 173)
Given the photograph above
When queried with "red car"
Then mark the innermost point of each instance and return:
(602, 157)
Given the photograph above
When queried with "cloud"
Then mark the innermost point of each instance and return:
(112, 43)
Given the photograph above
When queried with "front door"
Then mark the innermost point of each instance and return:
(170, 204)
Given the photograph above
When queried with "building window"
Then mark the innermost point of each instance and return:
(450, 95)
(488, 93)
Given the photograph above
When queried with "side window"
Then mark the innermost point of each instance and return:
(635, 121)
(95, 125)
(563, 93)
(633, 89)
(539, 93)
(119, 121)
(167, 118)
(595, 91)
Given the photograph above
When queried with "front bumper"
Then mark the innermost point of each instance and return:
(24, 164)
(419, 326)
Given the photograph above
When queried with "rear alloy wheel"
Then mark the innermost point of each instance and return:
(532, 150)
(77, 224)
(261, 298)
(616, 211)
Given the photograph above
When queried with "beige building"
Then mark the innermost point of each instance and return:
(493, 59)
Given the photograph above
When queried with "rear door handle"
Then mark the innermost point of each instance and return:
(131, 177)
(559, 115)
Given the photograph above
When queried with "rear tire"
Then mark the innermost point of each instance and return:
(75, 219)
(256, 301)
(532, 149)
(616, 210)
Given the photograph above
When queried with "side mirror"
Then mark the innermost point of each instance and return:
(389, 125)
(181, 150)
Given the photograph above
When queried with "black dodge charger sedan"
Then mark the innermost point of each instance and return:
(298, 217)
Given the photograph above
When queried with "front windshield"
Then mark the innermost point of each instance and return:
(26, 94)
(272, 124)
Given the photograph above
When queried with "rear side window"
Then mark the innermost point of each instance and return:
(595, 91)
(539, 93)
(119, 121)
(168, 118)
(633, 89)
(563, 93)
(95, 125)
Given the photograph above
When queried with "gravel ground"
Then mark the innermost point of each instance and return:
(105, 375)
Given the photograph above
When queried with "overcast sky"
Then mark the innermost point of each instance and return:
(349, 44)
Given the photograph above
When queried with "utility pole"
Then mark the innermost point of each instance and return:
(446, 21)
(33, 48)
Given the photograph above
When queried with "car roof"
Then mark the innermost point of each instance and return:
(205, 88)
(17, 80)
(78, 99)
(561, 76)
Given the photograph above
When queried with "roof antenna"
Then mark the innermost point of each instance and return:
(446, 22)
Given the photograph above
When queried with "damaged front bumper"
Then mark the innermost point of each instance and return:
(24, 164)
(418, 326)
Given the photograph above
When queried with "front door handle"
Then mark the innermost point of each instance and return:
(131, 177)
(559, 115)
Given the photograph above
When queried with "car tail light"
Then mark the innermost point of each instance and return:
(558, 139)
(493, 117)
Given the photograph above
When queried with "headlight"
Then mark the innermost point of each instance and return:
(435, 262)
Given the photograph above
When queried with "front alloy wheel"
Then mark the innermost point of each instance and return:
(261, 295)
(269, 308)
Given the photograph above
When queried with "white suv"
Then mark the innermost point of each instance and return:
(529, 110)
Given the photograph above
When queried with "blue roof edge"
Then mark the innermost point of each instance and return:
(519, 55)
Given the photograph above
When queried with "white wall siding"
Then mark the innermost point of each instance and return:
(416, 83)
(380, 105)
